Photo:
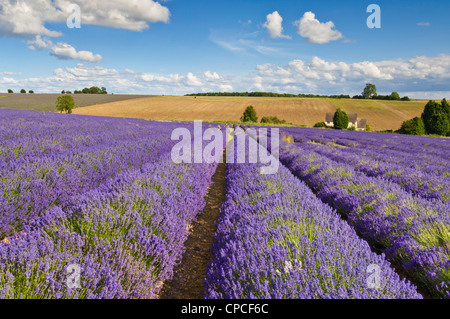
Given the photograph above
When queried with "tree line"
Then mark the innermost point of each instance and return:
(91, 90)
(269, 94)
(23, 91)
(370, 92)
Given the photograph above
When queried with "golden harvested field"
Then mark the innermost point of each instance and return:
(381, 115)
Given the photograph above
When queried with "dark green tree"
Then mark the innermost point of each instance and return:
(94, 90)
(340, 120)
(249, 115)
(414, 126)
(446, 107)
(435, 118)
(441, 124)
(369, 91)
(31, 91)
(395, 96)
(23, 91)
(10, 91)
(65, 103)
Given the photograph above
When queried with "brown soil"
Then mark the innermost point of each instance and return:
(189, 276)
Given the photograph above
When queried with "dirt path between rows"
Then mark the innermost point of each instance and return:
(189, 276)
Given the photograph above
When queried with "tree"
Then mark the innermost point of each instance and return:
(23, 91)
(10, 91)
(435, 118)
(63, 92)
(65, 103)
(249, 115)
(31, 91)
(368, 128)
(103, 91)
(369, 91)
(414, 126)
(395, 96)
(446, 108)
(340, 120)
(406, 98)
(441, 125)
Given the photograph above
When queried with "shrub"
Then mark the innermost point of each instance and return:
(368, 128)
(414, 126)
(65, 103)
(405, 98)
(249, 115)
(272, 120)
(320, 124)
(340, 120)
(31, 91)
(23, 91)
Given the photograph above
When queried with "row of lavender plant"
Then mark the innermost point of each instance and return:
(47, 180)
(55, 133)
(125, 235)
(424, 146)
(123, 221)
(426, 154)
(413, 232)
(276, 239)
(415, 181)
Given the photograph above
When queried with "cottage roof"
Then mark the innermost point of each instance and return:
(329, 117)
(352, 117)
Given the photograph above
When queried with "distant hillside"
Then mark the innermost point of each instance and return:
(381, 115)
(46, 102)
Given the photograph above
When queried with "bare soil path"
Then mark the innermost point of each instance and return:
(189, 276)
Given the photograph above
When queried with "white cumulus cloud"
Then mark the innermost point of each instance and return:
(274, 25)
(314, 31)
(335, 77)
(63, 51)
(22, 18)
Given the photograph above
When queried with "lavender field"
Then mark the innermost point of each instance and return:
(104, 194)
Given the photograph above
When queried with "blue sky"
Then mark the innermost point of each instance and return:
(178, 47)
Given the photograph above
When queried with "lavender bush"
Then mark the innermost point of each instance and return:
(275, 239)
(120, 209)
(413, 232)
